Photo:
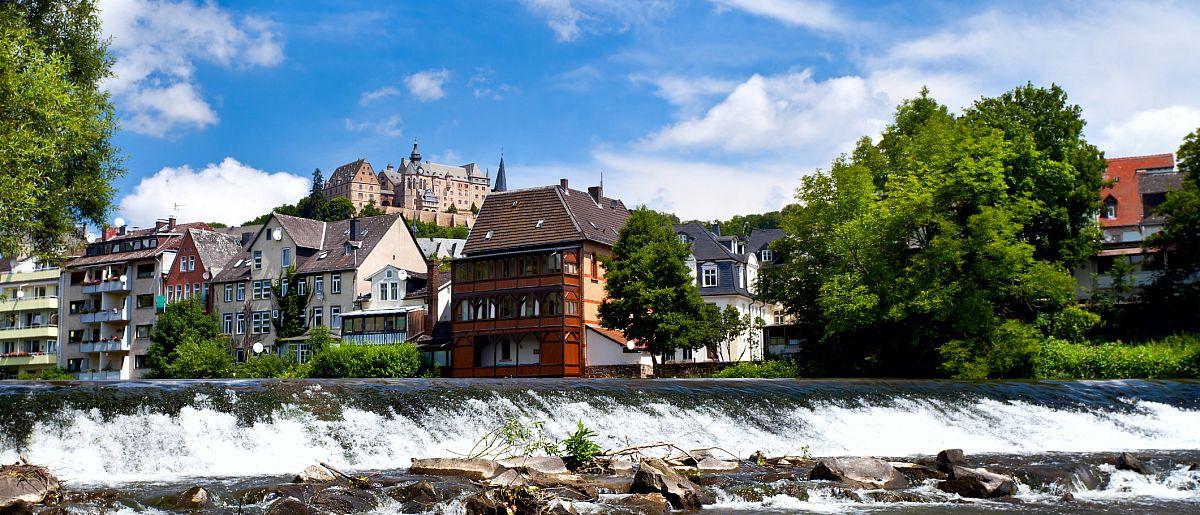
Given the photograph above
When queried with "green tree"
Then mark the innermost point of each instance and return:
(202, 359)
(291, 303)
(474, 209)
(285, 209)
(266, 365)
(378, 361)
(183, 321)
(340, 208)
(1175, 293)
(314, 205)
(452, 209)
(56, 160)
(652, 296)
(370, 210)
(46, 374)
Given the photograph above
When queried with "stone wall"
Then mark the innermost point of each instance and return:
(441, 219)
(616, 371)
(690, 369)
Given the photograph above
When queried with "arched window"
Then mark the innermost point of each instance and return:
(508, 307)
(571, 305)
(553, 305)
(528, 307)
(1110, 207)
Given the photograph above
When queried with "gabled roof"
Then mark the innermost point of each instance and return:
(370, 232)
(1125, 189)
(236, 268)
(705, 245)
(761, 238)
(214, 248)
(168, 239)
(537, 217)
(346, 173)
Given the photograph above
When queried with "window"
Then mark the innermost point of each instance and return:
(1150, 203)
(778, 316)
(241, 323)
(506, 350)
(285, 257)
(335, 317)
(191, 263)
(227, 323)
(145, 301)
(319, 284)
(302, 287)
(595, 267)
(709, 276)
(1110, 208)
(257, 259)
(183, 264)
(767, 255)
(738, 272)
(241, 291)
(228, 293)
(260, 322)
(553, 305)
(318, 316)
(570, 306)
(196, 290)
(508, 307)
(178, 292)
(335, 283)
(142, 331)
(139, 361)
(687, 353)
(145, 271)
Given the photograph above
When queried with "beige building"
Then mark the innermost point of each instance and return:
(334, 259)
(109, 301)
(28, 317)
(417, 185)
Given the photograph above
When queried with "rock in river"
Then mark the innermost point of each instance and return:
(859, 473)
(476, 469)
(22, 484)
(977, 483)
(1127, 461)
(655, 476)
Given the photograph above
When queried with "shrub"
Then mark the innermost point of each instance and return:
(1071, 324)
(202, 359)
(1173, 357)
(47, 374)
(351, 360)
(579, 448)
(268, 366)
(766, 369)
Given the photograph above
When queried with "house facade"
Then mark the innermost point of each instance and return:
(202, 255)
(355, 181)
(109, 300)
(333, 260)
(28, 317)
(1137, 185)
(527, 290)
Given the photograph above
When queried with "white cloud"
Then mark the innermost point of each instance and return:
(569, 19)
(1150, 131)
(392, 126)
(800, 13)
(427, 85)
(484, 87)
(157, 45)
(228, 192)
(370, 96)
(688, 93)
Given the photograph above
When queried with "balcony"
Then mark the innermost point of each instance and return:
(120, 345)
(28, 277)
(24, 331)
(106, 315)
(108, 285)
(105, 375)
(24, 359)
(29, 303)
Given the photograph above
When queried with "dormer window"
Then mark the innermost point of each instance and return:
(767, 255)
(708, 276)
(1110, 208)
(346, 249)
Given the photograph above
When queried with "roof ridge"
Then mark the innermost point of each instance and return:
(1123, 158)
(570, 214)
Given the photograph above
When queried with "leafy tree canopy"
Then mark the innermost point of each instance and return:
(183, 321)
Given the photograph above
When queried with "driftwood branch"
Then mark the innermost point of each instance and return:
(635, 449)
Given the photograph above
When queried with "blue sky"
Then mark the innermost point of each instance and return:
(705, 108)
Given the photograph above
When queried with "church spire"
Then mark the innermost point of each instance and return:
(500, 184)
(415, 156)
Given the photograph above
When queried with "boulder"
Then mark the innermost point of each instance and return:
(655, 476)
(978, 483)
(621, 466)
(193, 498)
(509, 478)
(1127, 461)
(542, 464)
(645, 504)
(916, 472)
(859, 473)
(476, 469)
(950, 458)
(290, 506)
(344, 500)
(420, 492)
(23, 484)
(560, 507)
(1082, 477)
(711, 464)
(315, 474)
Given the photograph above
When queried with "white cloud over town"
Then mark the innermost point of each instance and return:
(228, 192)
(158, 45)
(428, 85)
(370, 96)
(569, 19)
(800, 13)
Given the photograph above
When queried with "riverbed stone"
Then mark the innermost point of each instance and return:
(315, 474)
(978, 483)
(1127, 461)
(509, 478)
(654, 475)
(859, 473)
(711, 464)
(476, 469)
(290, 506)
(1083, 476)
(950, 458)
(642, 504)
(422, 492)
(24, 484)
(916, 472)
(344, 500)
(542, 464)
(193, 498)
(621, 466)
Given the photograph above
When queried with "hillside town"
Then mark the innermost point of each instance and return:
(518, 297)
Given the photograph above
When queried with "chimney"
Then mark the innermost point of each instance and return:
(597, 193)
(121, 230)
(353, 229)
(716, 228)
(563, 183)
(171, 223)
(159, 224)
(431, 293)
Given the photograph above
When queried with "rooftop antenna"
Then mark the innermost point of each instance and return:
(177, 209)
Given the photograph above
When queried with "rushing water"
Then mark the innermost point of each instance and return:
(147, 433)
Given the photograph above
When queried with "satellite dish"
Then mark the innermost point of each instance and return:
(258, 348)
(117, 222)
(277, 234)
(207, 275)
(20, 294)
(631, 345)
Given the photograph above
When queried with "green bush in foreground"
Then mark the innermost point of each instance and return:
(47, 374)
(202, 359)
(266, 366)
(349, 360)
(1173, 357)
(766, 369)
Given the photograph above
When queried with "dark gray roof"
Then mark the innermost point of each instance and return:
(705, 245)
(215, 249)
(761, 238)
(370, 232)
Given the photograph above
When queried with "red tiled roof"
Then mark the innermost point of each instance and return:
(543, 216)
(167, 240)
(1123, 171)
(617, 337)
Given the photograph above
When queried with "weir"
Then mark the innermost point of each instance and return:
(167, 430)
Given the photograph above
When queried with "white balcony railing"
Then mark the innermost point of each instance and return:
(112, 284)
(105, 375)
(106, 315)
(109, 346)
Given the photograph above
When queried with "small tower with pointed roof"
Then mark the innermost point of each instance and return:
(500, 184)
(415, 156)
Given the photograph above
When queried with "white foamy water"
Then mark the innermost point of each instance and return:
(203, 441)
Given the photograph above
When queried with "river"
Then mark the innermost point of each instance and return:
(147, 437)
